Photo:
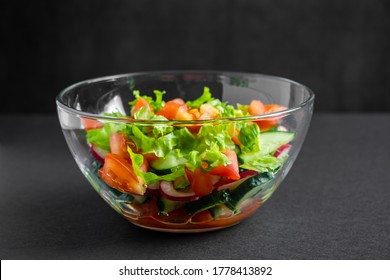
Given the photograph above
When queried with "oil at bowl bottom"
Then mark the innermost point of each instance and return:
(191, 224)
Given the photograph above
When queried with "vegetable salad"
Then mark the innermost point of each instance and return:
(201, 170)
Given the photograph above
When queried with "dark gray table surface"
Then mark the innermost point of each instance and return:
(334, 204)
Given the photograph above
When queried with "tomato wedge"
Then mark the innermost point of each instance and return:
(231, 170)
(201, 183)
(118, 173)
(118, 145)
(268, 123)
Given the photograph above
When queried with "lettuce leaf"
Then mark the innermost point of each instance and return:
(204, 98)
(225, 110)
(101, 136)
(156, 104)
(249, 137)
(159, 146)
(216, 134)
(261, 163)
(241, 111)
(186, 140)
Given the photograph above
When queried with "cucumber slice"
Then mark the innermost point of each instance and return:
(208, 201)
(250, 188)
(270, 141)
(169, 161)
(165, 205)
(221, 211)
(126, 197)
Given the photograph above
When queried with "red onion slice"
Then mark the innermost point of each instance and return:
(168, 191)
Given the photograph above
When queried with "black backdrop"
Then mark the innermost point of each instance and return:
(339, 48)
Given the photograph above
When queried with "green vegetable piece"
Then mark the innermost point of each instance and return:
(150, 177)
(204, 98)
(165, 205)
(101, 136)
(208, 201)
(156, 104)
(250, 188)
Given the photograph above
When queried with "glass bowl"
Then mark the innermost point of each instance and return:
(185, 174)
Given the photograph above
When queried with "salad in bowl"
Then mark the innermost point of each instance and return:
(170, 151)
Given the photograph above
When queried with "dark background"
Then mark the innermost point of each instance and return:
(339, 48)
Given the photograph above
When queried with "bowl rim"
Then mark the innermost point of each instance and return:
(79, 113)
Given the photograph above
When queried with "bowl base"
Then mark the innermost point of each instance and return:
(183, 230)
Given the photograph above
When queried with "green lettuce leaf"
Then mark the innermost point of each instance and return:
(186, 140)
(156, 104)
(241, 111)
(216, 134)
(159, 146)
(212, 156)
(225, 110)
(249, 137)
(204, 98)
(101, 136)
(262, 163)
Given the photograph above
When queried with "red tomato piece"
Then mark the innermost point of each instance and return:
(189, 174)
(91, 124)
(231, 170)
(268, 123)
(201, 183)
(235, 137)
(118, 173)
(183, 114)
(202, 217)
(141, 102)
(256, 107)
(118, 145)
(171, 108)
(209, 110)
(145, 166)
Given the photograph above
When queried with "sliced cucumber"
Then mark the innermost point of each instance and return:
(270, 141)
(208, 201)
(250, 188)
(169, 161)
(165, 205)
(221, 211)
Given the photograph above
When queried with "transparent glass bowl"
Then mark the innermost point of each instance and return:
(89, 100)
